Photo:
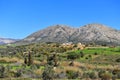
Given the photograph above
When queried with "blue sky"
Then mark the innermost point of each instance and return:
(19, 18)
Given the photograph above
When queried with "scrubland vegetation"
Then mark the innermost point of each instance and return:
(51, 61)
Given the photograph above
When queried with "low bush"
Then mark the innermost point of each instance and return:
(72, 74)
(117, 60)
(93, 75)
(106, 76)
(48, 73)
(2, 71)
(73, 55)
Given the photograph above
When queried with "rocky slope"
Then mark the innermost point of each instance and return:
(90, 33)
(57, 33)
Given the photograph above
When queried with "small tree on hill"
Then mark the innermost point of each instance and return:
(25, 60)
(30, 60)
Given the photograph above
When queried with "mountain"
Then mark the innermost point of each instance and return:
(90, 33)
(98, 34)
(7, 40)
(57, 33)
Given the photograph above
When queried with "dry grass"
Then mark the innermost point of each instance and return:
(38, 71)
(73, 68)
(64, 63)
(66, 68)
(36, 62)
(11, 60)
(58, 70)
(77, 66)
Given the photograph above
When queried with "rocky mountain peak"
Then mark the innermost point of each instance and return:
(98, 33)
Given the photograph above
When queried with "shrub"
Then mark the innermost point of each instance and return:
(100, 73)
(95, 53)
(93, 75)
(106, 76)
(25, 60)
(2, 71)
(48, 73)
(33, 67)
(117, 60)
(73, 55)
(71, 74)
(116, 72)
(85, 75)
(18, 73)
(61, 75)
(86, 58)
(81, 54)
(118, 75)
(114, 77)
(52, 60)
(90, 56)
(71, 63)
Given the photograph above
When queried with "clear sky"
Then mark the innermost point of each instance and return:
(19, 18)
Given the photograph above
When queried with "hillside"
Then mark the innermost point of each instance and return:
(88, 34)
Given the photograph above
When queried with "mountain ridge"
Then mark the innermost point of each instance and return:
(90, 33)
(7, 40)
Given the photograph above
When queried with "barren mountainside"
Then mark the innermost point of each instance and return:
(97, 33)
(57, 33)
(90, 33)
